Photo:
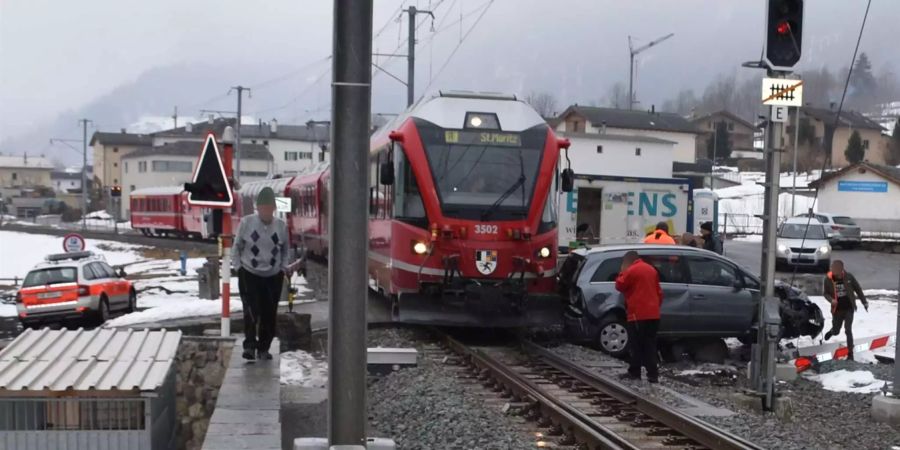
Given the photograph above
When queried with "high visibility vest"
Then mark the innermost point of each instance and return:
(659, 237)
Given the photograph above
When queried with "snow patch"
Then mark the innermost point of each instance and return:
(302, 369)
(176, 306)
(854, 381)
(750, 238)
(30, 249)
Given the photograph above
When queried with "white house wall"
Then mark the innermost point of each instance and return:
(874, 211)
(685, 143)
(618, 157)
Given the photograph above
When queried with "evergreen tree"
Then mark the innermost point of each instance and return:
(863, 83)
(855, 151)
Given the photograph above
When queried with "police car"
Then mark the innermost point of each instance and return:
(77, 285)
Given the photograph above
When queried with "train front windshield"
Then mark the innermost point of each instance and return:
(484, 175)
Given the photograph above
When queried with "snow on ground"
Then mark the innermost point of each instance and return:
(749, 238)
(177, 307)
(880, 293)
(299, 368)
(881, 319)
(854, 381)
(22, 251)
(7, 310)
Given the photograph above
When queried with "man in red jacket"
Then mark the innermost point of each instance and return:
(639, 283)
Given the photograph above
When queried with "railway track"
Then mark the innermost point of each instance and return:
(581, 409)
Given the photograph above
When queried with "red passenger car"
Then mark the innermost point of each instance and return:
(157, 211)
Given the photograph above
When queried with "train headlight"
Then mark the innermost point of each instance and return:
(419, 248)
(544, 252)
(475, 121)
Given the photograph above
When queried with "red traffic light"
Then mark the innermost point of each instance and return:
(783, 28)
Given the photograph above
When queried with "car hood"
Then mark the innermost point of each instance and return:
(800, 243)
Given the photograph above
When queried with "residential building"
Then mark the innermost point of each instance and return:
(868, 193)
(109, 148)
(173, 164)
(293, 147)
(619, 155)
(740, 135)
(819, 136)
(652, 124)
(64, 181)
(24, 171)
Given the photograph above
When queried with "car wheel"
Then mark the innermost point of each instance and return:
(613, 337)
(103, 315)
(132, 302)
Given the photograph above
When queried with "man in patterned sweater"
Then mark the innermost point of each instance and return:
(261, 257)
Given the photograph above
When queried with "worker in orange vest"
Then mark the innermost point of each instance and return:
(660, 235)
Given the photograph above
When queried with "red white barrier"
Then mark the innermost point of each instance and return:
(868, 344)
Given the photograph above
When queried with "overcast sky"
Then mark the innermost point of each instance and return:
(56, 56)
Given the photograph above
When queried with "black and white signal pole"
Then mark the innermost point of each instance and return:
(84, 176)
(348, 227)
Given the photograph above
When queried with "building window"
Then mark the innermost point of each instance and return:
(265, 142)
(115, 181)
(253, 141)
(637, 151)
(126, 167)
(131, 188)
(115, 149)
(142, 166)
(865, 144)
(306, 155)
(172, 166)
(116, 165)
(15, 176)
(290, 156)
(599, 149)
(730, 126)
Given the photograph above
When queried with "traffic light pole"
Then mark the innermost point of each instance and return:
(228, 139)
(769, 315)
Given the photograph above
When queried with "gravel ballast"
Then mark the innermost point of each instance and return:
(428, 407)
(821, 419)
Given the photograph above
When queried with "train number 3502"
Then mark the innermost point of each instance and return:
(486, 229)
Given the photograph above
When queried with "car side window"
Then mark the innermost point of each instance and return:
(749, 282)
(607, 271)
(89, 272)
(822, 219)
(670, 267)
(107, 270)
(710, 272)
(97, 270)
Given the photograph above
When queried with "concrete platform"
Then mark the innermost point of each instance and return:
(886, 409)
(248, 410)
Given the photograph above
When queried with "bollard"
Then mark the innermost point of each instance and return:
(183, 258)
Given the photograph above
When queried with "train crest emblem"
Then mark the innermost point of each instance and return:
(486, 261)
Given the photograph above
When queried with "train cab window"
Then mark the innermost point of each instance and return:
(408, 205)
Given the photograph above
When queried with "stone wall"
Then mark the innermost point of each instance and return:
(200, 368)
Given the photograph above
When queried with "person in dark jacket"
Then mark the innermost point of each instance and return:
(842, 290)
(711, 239)
(639, 283)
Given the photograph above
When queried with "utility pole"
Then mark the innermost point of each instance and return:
(712, 168)
(411, 54)
(175, 118)
(347, 286)
(84, 178)
(237, 131)
(634, 52)
(796, 143)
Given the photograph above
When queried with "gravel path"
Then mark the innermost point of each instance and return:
(427, 407)
(822, 419)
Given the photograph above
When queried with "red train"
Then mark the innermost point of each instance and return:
(462, 206)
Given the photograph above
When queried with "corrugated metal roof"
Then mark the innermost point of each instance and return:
(102, 359)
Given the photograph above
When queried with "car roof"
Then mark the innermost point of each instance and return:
(638, 248)
(802, 221)
(69, 262)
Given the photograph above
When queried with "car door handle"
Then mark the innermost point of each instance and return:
(699, 296)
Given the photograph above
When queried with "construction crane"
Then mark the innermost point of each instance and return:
(633, 52)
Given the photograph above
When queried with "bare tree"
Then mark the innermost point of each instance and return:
(685, 103)
(617, 96)
(543, 102)
(818, 87)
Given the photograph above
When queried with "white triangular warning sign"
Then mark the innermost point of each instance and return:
(210, 185)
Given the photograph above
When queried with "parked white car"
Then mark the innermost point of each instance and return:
(802, 242)
(840, 230)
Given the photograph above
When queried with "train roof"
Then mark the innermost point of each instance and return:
(159, 190)
(447, 109)
(278, 185)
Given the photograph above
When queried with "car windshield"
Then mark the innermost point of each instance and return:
(55, 275)
(483, 174)
(844, 220)
(797, 231)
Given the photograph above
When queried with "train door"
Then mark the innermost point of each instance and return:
(588, 214)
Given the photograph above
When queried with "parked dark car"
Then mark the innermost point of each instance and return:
(704, 295)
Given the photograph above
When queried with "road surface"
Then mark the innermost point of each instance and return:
(873, 270)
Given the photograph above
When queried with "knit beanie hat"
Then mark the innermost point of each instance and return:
(706, 226)
(266, 196)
